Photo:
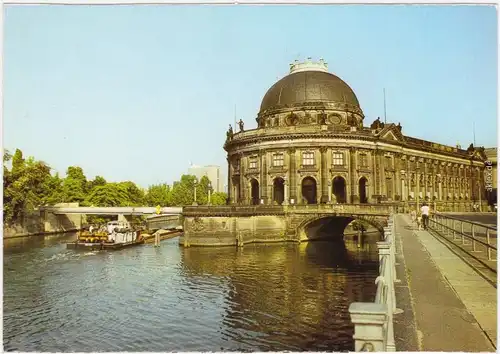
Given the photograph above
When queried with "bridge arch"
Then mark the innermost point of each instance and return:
(336, 223)
(309, 190)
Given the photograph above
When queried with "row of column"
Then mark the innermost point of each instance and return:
(379, 179)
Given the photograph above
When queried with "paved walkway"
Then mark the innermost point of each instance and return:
(447, 306)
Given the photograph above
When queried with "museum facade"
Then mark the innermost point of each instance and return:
(311, 147)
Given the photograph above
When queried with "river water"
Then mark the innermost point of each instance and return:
(272, 297)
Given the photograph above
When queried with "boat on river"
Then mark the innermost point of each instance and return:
(116, 235)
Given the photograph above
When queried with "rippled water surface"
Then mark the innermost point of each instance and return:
(261, 297)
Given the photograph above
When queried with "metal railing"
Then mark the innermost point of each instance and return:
(479, 235)
(373, 322)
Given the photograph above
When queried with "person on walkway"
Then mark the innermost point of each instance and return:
(425, 215)
(413, 215)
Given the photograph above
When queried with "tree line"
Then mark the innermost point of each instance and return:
(29, 183)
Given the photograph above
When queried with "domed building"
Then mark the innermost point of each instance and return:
(311, 146)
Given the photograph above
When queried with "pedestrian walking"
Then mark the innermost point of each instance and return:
(424, 210)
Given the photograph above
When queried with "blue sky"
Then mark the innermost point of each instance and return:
(137, 92)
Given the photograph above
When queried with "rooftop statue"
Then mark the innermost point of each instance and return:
(377, 124)
(229, 134)
(241, 124)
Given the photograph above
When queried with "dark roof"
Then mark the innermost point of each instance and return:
(308, 86)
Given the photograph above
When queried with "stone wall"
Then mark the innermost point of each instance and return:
(232, 231)
(40, 222)
(31, 223)
(62, 223)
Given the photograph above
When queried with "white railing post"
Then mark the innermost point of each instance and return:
(369, 320)
(373, 321)
(384, 251)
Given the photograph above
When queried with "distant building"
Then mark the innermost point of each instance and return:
(212, 172)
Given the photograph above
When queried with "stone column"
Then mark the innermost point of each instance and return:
(243, 186)
(424, 191)
(230, 194)
(286, 187)
(375, 173)
(408, 178)
(293, 174)
(397, 167)
(352, 176)
(323, 174)
(263, 177)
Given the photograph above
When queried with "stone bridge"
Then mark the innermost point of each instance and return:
(237, 225)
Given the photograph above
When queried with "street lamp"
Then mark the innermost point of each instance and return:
(209, 192)
(195, 183)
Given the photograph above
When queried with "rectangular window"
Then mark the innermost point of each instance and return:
(388, 162)
(253, 163)
(278, 159)
(363, 160)
(308, 158)
(338, 159)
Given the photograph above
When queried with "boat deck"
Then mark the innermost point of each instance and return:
(102, 246)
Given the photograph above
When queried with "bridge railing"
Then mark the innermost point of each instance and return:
(373, 321)
(375, 209)
(479, 235)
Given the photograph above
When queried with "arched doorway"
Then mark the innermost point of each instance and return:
(339, 190)
(362, 190)
(309, 190)
(279, 190)
(254, 185)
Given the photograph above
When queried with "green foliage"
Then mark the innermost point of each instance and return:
(28, 184)
(218, 198)
(159, 194)
(25, 185)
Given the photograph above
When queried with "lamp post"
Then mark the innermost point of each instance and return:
(195, 183)
(209, 192)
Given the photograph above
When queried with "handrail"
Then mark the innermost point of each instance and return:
(373, 322)
(445, 228)
(466, 221)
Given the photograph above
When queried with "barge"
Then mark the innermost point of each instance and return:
(116, 235)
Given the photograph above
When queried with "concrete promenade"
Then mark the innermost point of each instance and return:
(446, 305)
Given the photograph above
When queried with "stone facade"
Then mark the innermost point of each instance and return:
(239, 225)
(316, 150)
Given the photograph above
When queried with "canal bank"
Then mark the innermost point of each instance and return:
(435, 316)
(39, 234)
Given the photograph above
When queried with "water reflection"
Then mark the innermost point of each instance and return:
(257, 298)
(289, 297)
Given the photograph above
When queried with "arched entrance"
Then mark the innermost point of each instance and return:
(254, 185)
(279, 190)
(309, 190)
(339, 190)
(362, 190)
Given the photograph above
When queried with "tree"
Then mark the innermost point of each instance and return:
(159, 194)
(74, 188)
(98, 181)
(25, 186)
(218, 198)
(183, 191)
(135, 196)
